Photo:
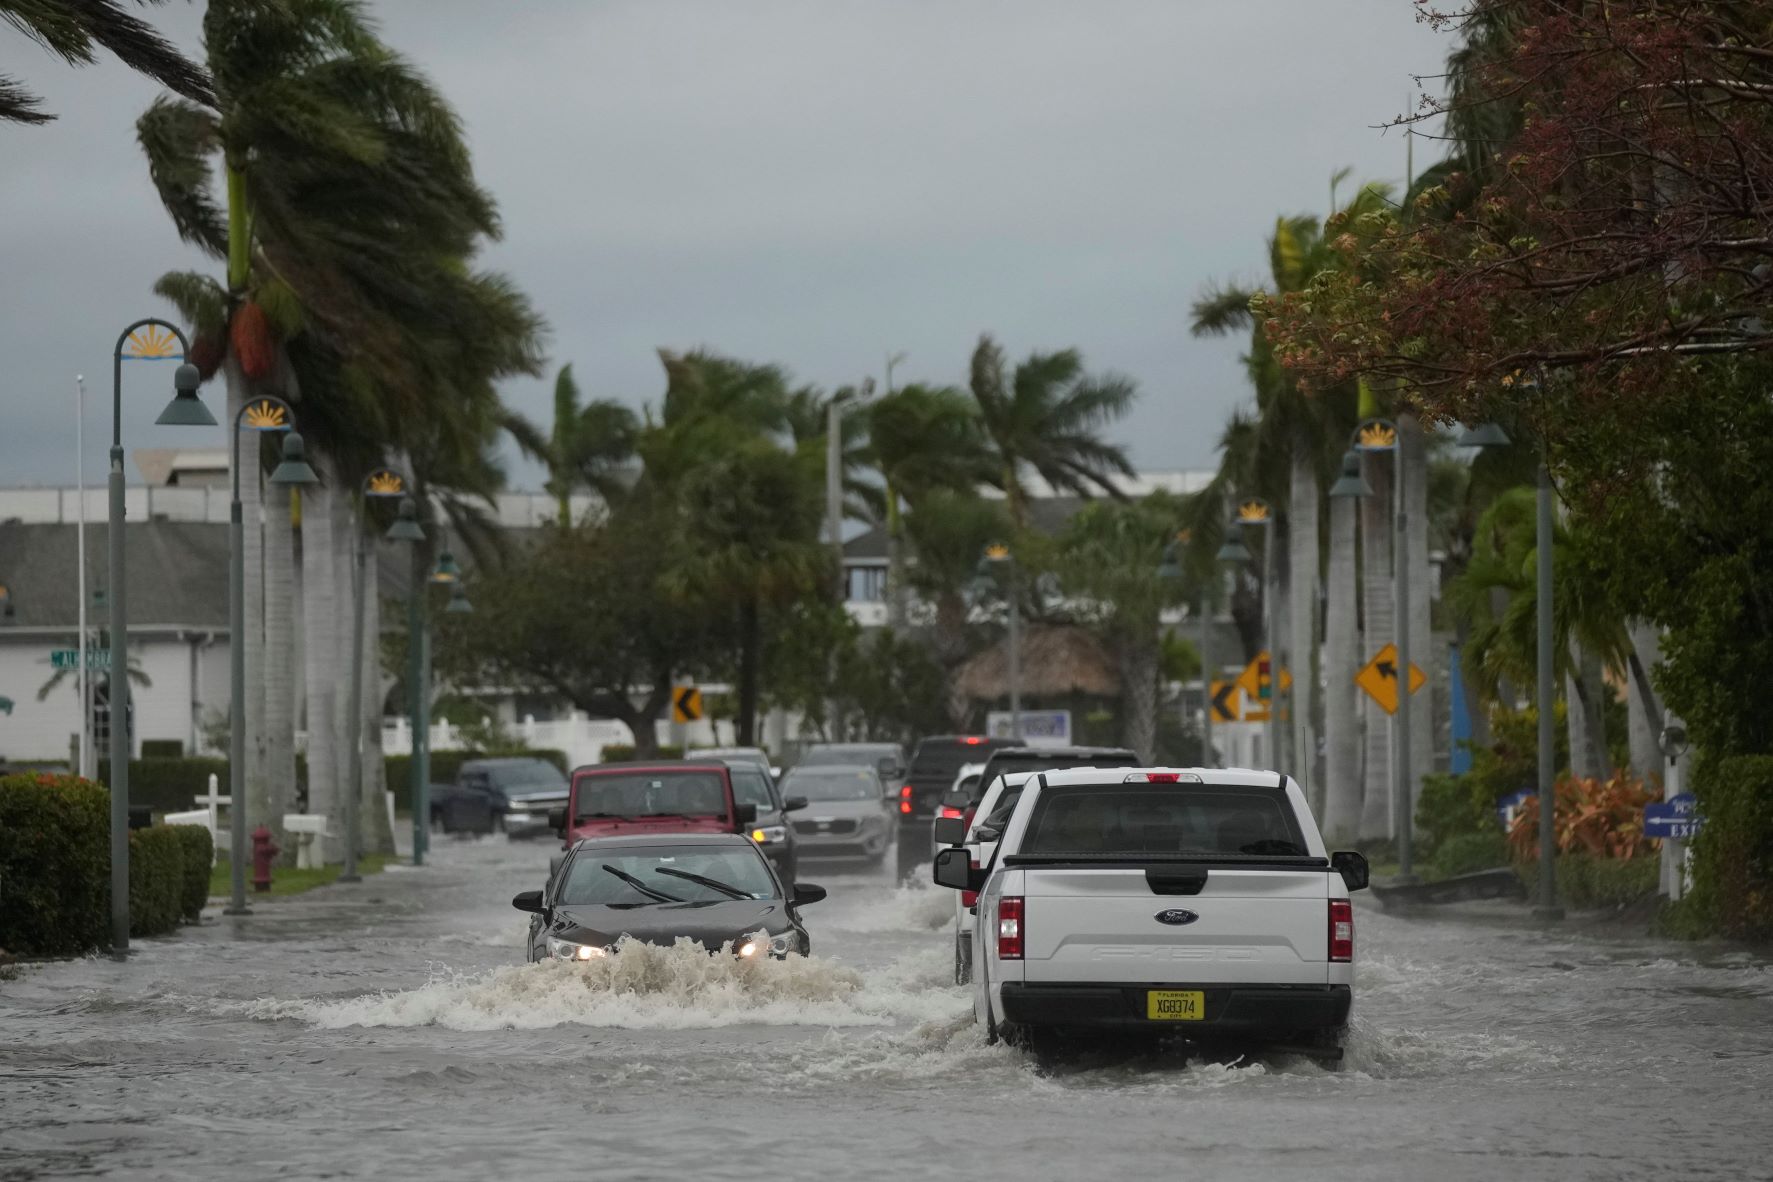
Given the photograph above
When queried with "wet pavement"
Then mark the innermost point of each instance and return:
(390, 1030)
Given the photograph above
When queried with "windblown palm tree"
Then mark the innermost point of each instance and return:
(1045, 417)
(588, 446)
(75, 30)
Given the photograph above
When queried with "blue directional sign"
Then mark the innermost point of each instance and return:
(1677, 817)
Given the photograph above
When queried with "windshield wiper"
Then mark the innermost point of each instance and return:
(725, 888)
(661, 896)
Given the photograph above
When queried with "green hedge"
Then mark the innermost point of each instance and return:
(170, 785)
(199, 854)
(156, 880)
(1463, 853)
(1733, 853)
(1588, 884)
(55, 865)
(446, 764)
(163, 749)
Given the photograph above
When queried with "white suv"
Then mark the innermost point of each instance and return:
(1163, 900)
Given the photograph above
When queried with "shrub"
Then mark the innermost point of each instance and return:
(1600, 818)
(1586, 883)
(1733, 853)
(156, 880)
(162, 749)
(1455, 806)
(619, 752)
(1463, 853)
(55, 865)
(199, 853)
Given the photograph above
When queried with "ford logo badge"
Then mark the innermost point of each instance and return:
(1176, 916)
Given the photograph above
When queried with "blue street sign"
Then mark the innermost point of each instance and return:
(1510, 806)
(1677, 817)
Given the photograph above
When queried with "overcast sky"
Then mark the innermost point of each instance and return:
(817, 183)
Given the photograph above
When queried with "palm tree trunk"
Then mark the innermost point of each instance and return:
(896, 589)
(1583, 688)
(1342, 657)
(750, 654)
(1646, 755)
(377, 837)
(280, 703)
(1302, 643)
(1413, 450)
(1138, 686)
(258, 799)
(344, 533)
(320, 614)
(1376, 604)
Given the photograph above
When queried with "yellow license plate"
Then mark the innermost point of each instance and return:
(1175, 1005)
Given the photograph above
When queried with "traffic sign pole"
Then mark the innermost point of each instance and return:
(1206, 684)
(1401, 799)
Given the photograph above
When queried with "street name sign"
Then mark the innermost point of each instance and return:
(1677, 817)
(1379, 678)
(69, 658)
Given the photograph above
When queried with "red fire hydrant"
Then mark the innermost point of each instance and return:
(264, 852)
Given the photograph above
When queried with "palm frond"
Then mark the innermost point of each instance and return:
(18, 105)
(178, 138)
(199, 299)
(1221, 310)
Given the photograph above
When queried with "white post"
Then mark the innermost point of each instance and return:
(80, 675)
(1673, 849)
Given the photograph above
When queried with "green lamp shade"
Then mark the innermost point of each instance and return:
(1233, 549)
(294, 469)
(1351, 483)
(186, 410)
(447, 570)
(458, 600)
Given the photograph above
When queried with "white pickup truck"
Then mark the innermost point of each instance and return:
(1163, 900)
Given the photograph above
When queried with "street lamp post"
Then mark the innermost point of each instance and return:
(448, 573)
(1233, 553)
(996, 554)
(383, 482)
(1490, 435)
(1255, 511)
(265, 413)
(145, 340)
(1171, 568)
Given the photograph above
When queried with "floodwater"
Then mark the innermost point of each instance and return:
(391, 1030)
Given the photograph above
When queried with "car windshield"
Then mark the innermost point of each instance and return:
(531, 774)
(751, 786)
(608, 877)
(846, 785)
(651, 794)
(1162, 819)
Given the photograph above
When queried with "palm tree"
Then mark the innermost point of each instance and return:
(1045, 417)
(588, 446)
(348, 221)
(75, 30)
(921, 439)
(947, 531)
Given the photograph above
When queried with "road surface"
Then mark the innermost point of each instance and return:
(389, 1030)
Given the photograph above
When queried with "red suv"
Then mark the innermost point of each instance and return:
(614, 799)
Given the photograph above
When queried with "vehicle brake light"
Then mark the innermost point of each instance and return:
(1341, 930)
(972, 740)
(905, 799)
(949, 810)
(1161, 778)
(1009, 928)
(970, 898)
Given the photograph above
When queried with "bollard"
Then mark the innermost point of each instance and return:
(264, 852)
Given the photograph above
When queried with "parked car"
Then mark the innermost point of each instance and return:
(520, 788)
(933, 767)
(848, 813)
(619, 799)
(888, 759)
(1163, 900)
(714, 889)
(753, 785)
(459, 810)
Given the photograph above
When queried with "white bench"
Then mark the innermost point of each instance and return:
(307, 829)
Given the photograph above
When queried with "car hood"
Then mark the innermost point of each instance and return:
(848, 810)
(534, 796)
(708, 924)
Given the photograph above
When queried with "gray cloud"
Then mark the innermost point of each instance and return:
(812, 182)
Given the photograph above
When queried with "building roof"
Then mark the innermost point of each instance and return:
(1056, 660)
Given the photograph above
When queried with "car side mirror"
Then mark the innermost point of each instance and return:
(807, 892)
(530, 901)
(794, 804)
(745, 814)
(1352, 866)
(557, 821)
(950, 830)
(953, 869)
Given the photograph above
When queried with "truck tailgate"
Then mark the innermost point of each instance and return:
(1101, 924)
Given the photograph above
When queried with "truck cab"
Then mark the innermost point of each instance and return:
(620, 799)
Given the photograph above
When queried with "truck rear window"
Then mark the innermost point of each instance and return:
(1163, 819)
(651, 794)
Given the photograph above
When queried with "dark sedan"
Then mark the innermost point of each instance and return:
(716, 889)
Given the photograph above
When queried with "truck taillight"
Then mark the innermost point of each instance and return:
(905, 799)
(1009, 928)
(970, 898)
(1341, 930)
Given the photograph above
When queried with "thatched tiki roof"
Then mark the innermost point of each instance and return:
(1057, 660)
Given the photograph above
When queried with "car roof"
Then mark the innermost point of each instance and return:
(731, 751)
(641, 840)
(1239, 776)
(1018, 754)
(638, 765)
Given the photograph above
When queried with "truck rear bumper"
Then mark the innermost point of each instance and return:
(1227, 1009)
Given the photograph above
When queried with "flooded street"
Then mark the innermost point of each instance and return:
(391, 1030)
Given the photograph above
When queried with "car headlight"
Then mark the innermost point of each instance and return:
(567, 950)
(769, 834)
(749, 947)
(783, 944)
